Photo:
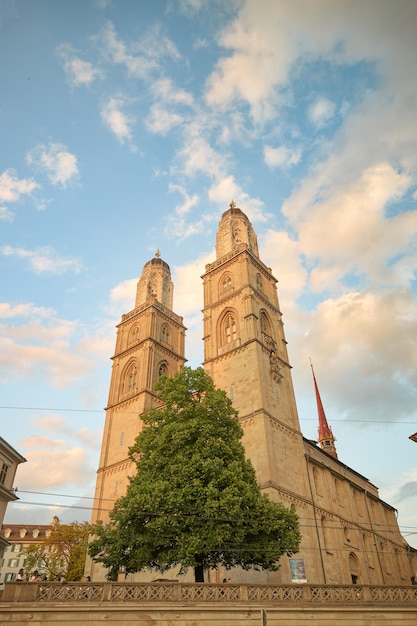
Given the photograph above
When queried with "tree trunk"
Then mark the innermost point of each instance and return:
(199, 574)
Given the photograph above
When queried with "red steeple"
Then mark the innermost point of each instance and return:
(325, 436)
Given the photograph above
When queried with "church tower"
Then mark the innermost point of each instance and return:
(245, 352)
(149, 343)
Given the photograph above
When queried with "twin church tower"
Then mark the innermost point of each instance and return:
(349, 535)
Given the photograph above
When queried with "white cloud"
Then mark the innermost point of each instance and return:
(361, 238)
(12, 189)
(225, 189)
(118, 122)
(79, 72)
(54, 361)
(54, 159)
(164, 113)
(122, 297)
(283, 254)
(281, 156)
(161, 121)
(44, 260)
(52, 464)
(177, 225)
(38, 345)
(140, 58)
(164, 89)
(8, 311)
(5, 214)
(321, 111)
(365, 342)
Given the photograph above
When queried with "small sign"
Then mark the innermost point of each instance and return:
(298, 573)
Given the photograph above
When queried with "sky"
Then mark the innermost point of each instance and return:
(129, 126)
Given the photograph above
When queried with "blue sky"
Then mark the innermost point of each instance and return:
(129, 126)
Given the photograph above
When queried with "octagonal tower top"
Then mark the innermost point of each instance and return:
(235, 229)
(155, 283)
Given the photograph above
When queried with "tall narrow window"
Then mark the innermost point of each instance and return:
(130, 379)
(259, 283)
(3, 473)
(230, 328)
(165, 333)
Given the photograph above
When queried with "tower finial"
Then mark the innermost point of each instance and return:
(232, 204)
(326, 438)
(157, 253)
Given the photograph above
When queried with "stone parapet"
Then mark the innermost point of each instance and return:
(203, 593)
(187, 604)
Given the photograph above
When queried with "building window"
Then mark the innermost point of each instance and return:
(116, 487)
(230, 327)
(163, 370)
(265, 325)
(13, 562)
(227, 283)
(3, 472)
(122, 438)
(165, 333)
(130, 383)
(259, 282)
(231, 394)
(134, 334)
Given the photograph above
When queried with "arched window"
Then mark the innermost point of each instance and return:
(163, 369)
(130, 382)
(134, 334)
(265, 324)
(165, 333)
(354, 568)
(227, 329)
(259, 283)
(226, 283)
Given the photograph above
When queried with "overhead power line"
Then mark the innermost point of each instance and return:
(302, 419)
(304, 522)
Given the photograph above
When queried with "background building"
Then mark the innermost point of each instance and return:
(19, 537)
(349, 535)
(9, 461)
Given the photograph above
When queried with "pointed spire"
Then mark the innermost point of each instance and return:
(326, 438)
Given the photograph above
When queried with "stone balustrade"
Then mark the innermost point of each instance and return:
(303, 595)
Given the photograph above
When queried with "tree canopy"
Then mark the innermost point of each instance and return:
(194, 501)
(62, 553)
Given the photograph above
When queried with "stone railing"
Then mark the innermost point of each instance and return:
(201, 593)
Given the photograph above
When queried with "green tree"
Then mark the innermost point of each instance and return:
(194, 500)
(63, 552)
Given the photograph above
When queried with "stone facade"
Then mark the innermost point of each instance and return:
(349, 535)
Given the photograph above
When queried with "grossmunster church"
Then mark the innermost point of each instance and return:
(349, 535)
